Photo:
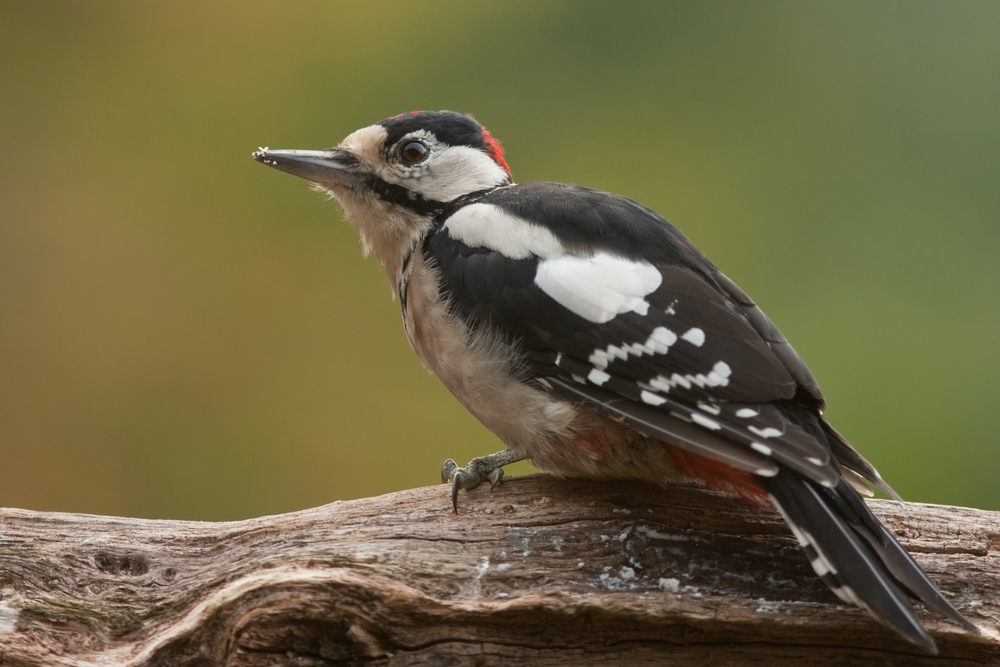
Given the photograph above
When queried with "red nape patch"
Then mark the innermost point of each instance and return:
(495, 151)
(720, 476)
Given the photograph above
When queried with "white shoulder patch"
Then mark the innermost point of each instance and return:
(596, 288)
(600, 287)
(488, 226)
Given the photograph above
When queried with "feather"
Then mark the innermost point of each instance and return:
(616, 310)
(841, 557)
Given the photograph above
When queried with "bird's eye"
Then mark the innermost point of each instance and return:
(413, 152)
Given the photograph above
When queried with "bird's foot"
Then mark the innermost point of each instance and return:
(478, 470)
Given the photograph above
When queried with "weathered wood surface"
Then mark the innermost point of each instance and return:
(539, 572)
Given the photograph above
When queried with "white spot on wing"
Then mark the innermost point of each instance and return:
(598, 377)
(600, 287)
(717, 377)
(709, 408)
(651, 398)
(720, 374)
(600, 359)
(746, 413)
(662, 383)
(695, 336)
(767, 432)
(658, 343)
(662, 337)
(762, 448)
(702, 420)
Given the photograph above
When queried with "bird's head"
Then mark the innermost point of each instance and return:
(394, 178)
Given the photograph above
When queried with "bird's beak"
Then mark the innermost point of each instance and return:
(330, 167)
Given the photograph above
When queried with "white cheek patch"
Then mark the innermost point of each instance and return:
(454, 171)
(488, 226)
(600, 287)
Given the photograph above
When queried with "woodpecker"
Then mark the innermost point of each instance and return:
(595, 340)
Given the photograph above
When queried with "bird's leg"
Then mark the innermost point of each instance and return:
(477, 471)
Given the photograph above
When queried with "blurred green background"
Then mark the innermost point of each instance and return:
(185, 333)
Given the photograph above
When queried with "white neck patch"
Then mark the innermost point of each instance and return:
(488, 226)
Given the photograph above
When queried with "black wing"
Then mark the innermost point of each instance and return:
(699, 357)
(614, 307)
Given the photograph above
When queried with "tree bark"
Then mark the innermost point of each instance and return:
(539, 572)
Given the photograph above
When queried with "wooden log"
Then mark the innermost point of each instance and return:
(539, 572)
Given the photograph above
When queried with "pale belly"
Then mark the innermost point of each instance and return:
(484, 374)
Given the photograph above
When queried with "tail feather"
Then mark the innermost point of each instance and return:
(861, 565)
(895, 558)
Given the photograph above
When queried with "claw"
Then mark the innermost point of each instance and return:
(456, 484)
(495, 476)
(478, 470)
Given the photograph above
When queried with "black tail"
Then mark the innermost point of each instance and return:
(856, 556)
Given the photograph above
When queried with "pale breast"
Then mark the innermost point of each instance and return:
(478, 367)
(485, 374)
